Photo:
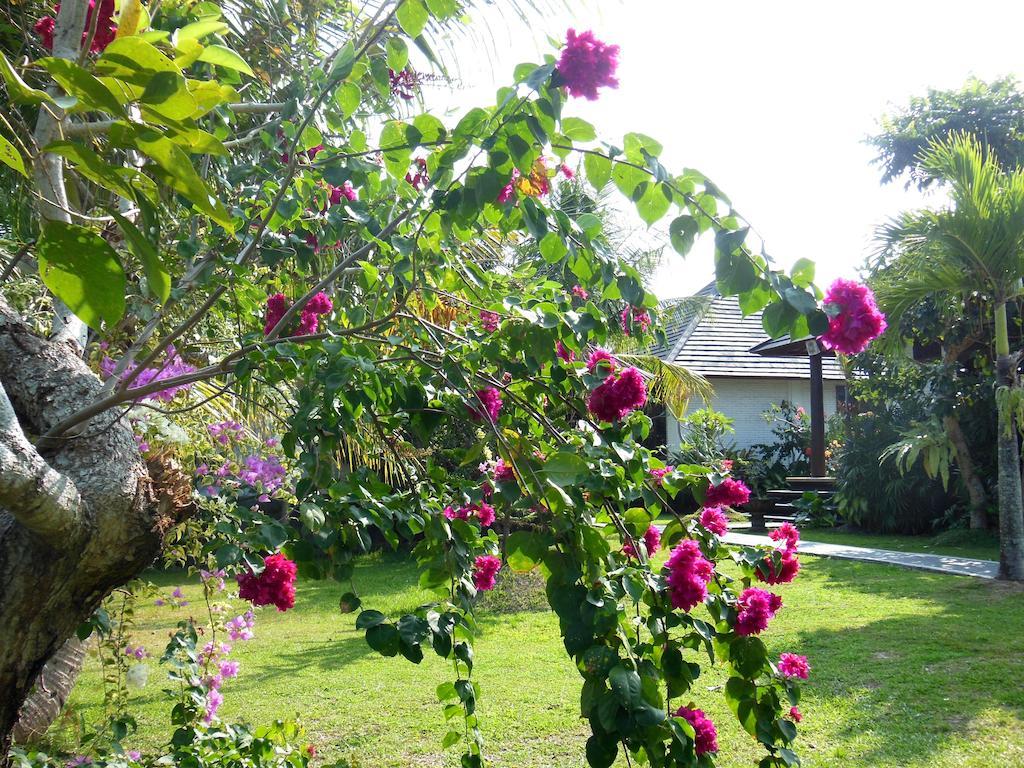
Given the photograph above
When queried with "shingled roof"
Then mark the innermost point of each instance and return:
(718, 343)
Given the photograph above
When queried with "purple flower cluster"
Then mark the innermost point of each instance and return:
(172, 367)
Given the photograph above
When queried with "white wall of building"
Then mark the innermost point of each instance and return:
(744, 400)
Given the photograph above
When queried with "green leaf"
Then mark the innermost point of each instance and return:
(526, 550)
(90, 92)
(397, 53)
(95, 168)
(778, 318)
(578, 130)
(158, 280)
(384, 639)
(552, 248)
(682, 232)
(636, 144)
(369, 619)
(412, 17)
(599, 170)
(179, 173)
(450, 739)
(134, 60)
(626, 685)
(222, 56)
(800, 300)
(197, 30)
(565, 468)
(740, 695)
(10, 157)
(168, 94)
(601, 753)
(802, 273)
(653, 205)
(348, 98)
(82, 270)
(17, 89)
(638, 520)
(748, 655)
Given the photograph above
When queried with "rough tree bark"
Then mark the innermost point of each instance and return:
(50, 692)
(77, 518)
(1011, 504)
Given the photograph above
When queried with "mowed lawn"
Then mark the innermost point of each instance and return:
(909, 669)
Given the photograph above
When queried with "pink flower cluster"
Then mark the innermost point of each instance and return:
(106, 29)
(404, 83)
(489, 320)
(264, 473)
(309, 318)
(483, 512)
(242, 627)
(793, 665)
(631, 316)
(706, 737)
(137, 652)
(580, 292)
(485, 572)
(490, 405)
(601, 358)
(688, 575)
(789, 537)
(344, 192)
(857, 320)
(618, 395)
(714, 520)
(587, 64)
(275, 585)
(504, 473)
(420, 178)
(659, 474)
(652, 540)
(728, 493)
(756, 608)
(794, 712)
(225, 431)
(172, 367)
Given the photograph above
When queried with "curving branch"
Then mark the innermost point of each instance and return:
(38, 496)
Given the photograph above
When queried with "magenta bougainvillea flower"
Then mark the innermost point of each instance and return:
(728, 493)
(634, 316)
(756, 608)
(274, 586)
(485, 572)
(489, 405)
(587, 64)
(503, 472)
(705, 735)
(489, 320)
(580, 292)
(564, 352)
(793, 665)
(788, 533)
(714, 520)
(345, 192)
(794, 712)
(857, 320)
(309, 319)
(404, 83)
(688, 575)
(618, 395)
(658, 474)
(652, 540)
(603, 358)
(784, 573)
(277, 305)
(106, 29)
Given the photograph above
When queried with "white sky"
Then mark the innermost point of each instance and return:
(772, 101)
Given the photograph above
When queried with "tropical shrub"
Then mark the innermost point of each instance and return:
(298, 234)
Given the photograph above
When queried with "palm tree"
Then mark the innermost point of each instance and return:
(973, 248)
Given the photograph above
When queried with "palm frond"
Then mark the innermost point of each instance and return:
(669, 383)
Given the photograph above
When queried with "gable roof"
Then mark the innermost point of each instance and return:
(719, 343)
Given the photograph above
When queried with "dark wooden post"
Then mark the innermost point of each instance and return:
(817, 411)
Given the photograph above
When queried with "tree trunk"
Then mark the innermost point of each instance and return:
(1011, 504)
(77, 518)
(50, 693)
(975, 488)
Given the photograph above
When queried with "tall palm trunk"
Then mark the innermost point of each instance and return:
(1011, 504)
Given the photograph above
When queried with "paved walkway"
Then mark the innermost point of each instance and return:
(959, 566)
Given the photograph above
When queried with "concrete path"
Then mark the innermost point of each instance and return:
(959, 566)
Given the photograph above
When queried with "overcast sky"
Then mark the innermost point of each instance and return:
(772, 101)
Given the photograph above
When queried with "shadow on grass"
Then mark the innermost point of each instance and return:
(919, 677)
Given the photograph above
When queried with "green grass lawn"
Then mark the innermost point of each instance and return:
(980, 545)
(910, 669)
